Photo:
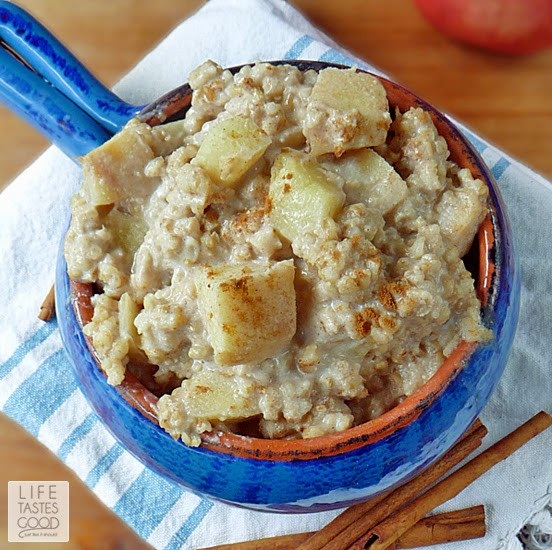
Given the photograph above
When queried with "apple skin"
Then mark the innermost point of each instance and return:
(512, 27)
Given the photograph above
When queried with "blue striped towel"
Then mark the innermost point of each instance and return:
(37, 388)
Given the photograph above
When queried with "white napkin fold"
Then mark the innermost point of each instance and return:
(36, 384)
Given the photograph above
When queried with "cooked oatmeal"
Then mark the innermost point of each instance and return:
(288, 256)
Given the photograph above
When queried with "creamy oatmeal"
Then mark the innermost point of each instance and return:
(288, 256)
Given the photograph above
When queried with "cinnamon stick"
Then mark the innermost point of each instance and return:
(459, 525)
(346, 528)
(47, 308)
(283, 542)
(388, 531)
(466, 524)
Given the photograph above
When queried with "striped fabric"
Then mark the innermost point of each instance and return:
(37, 390)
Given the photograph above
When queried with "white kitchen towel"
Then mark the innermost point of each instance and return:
(37, 387)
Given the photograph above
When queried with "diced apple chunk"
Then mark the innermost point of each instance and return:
(460, 213)
(115, 170)
(128, 230)
(369, 178)
(214, 396)
(249, 310)
(128, 310)
(346, 110)
(165, 138)
(302, 194)
(231, 148)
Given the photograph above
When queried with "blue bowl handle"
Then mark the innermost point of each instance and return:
(41, 81)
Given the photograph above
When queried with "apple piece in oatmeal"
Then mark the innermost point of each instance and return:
(248, 310)
(302, 195)
(346, 110)
(231, 148)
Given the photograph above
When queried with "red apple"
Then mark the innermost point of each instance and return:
(503, 26)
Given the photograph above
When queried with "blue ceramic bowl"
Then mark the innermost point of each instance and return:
(78, 113)
(331, 471)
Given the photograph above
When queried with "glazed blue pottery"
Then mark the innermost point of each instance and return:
(63, 100)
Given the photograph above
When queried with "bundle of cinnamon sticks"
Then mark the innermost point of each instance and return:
(397, 519)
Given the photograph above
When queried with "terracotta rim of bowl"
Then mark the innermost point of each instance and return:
(172, 106)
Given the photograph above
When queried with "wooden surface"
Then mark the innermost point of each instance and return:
(505, 99)
(92, 525)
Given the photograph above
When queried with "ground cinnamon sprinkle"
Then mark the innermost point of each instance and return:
(386, 298)
(364, 320)
(388, 323)
(250, 220)
(398, 287)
